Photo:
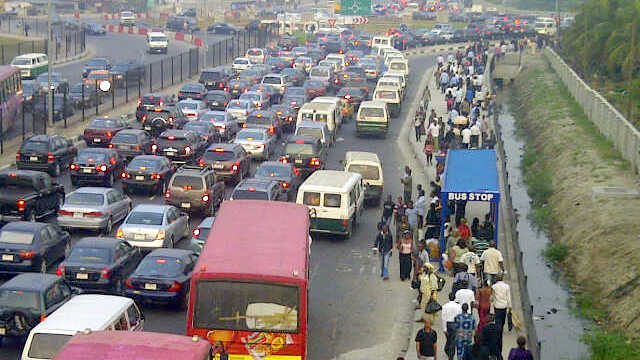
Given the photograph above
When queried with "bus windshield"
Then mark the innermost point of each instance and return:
(236, 305)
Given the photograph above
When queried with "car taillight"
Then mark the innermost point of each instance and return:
(64, 212)
(21, 205)
(221, 85)
(144, 118)
(284, 185)
(43, 316)
(50, 157)
(201, 162)
(17, 156)
(120, 234)
(128, 284)
(175, 287)
(180, 93)
(154, 148)
(125, 175)
(272, 130)
(344, 223)
(244, 125)
(160, 235)
(139, 102)
(348, 97)
(27, 254)
(93, 214)
(236, 166)
(187, 150)
(196, 233)
(74, 167)
(314, 162)
(110, 146)
(336, 81)
(60, 270)
(102, 168)
(284, 160)
(290, 118)
(156, 176)
(226, 89)
(109, 134)
(205, 197)
(105, 273)
(171, 119)
(259, 104)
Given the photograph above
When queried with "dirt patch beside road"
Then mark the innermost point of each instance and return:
(565, 158)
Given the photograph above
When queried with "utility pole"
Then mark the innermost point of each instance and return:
(50, 67)
(584, 42)
(557, 20)
(631, 64)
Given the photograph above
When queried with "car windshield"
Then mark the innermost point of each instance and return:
(103, 124)
(371, 112)
(310, 131)
(92, 157)
(158, 38)
(302, 149)
(187, 182)
(187, 106)
(21, 62)
(197, 127)
(250, 135)
(84, 198)
(35, 146)
(319, 72)
(296, 91)
(214, 155)
(214, 117)
(145, 218)
(272, 80)
(16, 237)
(159, 266)
(90, 255)
(251, 194)
(20, 299)
(143, 164)
(47, 345)
(368, 172)
(125, 139)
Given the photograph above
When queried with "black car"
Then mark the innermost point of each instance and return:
(295, 96)
(182, 24)
(193, 91)
(305, 153)
(28, 195)
(218, 99)
(31, 246)
(223, 28)
(50, 153)
(128, 73)
(131, 142)
(277, 63)
(353, 95)
(163, 276)
(238, 87)
(83, 95)
(283, 173)
(62, 108)
(96, 166)
(100, 264)
(179, 146)
(287, 42)
(95, 29)
(215, 78)
(147, 172)
(157, 120)
(96, 64)
(205, 129)
(287, 115)
(60, 84)
(28, 299)
(151, 102)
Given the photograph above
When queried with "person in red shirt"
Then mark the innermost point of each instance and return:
(464, 230)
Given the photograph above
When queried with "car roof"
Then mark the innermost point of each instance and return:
(307, 139)
(258, 184)
(92, 190)
(175, 132)
(226, 146)
(23, 226)
(311, 124)
(148, 157)
(174, 253)
(98, 242)
(322, 179)
(154, 208)
(30, 281)
(361, 156)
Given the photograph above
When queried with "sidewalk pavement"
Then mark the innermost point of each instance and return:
(437, 102)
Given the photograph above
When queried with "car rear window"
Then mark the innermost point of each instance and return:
(103, 123)
(187, 182)
(160, 266)
(272, 170)
(310, 131)
(213, 155)
(260, 120)
(20, 299)
(368, 172)
(125, 139)
(385, 95)
(92, 157)
(250, 135)
(80, 198)
(398, 66)
(214, 117)
(243, 194)
(16, 237)
(332, 200)
(254, 52)
(46, 345)
(145, 218)
(151, 100)
(370, 112)
(311, 198)
(197, 127)
(216, 97)
(319, 72)
(302, 149)
(90, 255)
(237, 105)
(35, 146)
(143, 164)
(188, 106)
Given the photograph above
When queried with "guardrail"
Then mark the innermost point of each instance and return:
(610, 122)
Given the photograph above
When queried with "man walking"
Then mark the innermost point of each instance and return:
(449, 312)
(501, 305)
(490, 337)
(384, 245)
(412, 217)
(465, 325)
(492, 262)
(427, 342)
(407, 183)
(417, 124)
(387, 210)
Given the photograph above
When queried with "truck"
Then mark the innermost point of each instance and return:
(28, 195)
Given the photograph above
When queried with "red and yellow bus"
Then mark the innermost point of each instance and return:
(249, 288)
(10, 96)
(134, 345)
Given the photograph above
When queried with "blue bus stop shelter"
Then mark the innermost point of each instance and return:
(470, 175)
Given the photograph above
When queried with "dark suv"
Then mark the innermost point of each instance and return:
(50, 153)
(150, 102)
(179, 146)
(215, 78)
(157, 120)
(259, 189)
(306, 153)
(229, 161)
(195, 189)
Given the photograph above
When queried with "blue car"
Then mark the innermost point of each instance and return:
(163, 276)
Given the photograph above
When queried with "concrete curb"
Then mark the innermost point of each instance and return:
(444, 48)
(85, 54)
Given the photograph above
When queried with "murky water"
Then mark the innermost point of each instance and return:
(558, 329)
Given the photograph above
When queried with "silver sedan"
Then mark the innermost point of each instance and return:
(95, 208)
(258, 143)
(154, 226)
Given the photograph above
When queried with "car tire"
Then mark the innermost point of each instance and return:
(55, 172)
(109, 227)
(43, 266)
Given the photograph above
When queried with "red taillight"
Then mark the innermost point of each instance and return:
(110, 146)
(60, 270)
(27, 254)
(105, 273)
(64, 212)
(296, 171)
(171, 120)
(109, 134)
(128, 284)
(196, 233)
(314, 162)
(93, 214)
(244, 125)
(236, 166)
(284, 160)
(137, 147)
(43, 316)
(221, 85)
(154, 148)
(201, 162)
(51, 157)
(156, 176)
(102, 168)
(175, 287)
(144, 117)
(180, 93)
(21, 205)
(125, 175)
(347, 97)
(344, 223)
(187, 150)
(139, 102)
(205, 197)
(17, 156)
(284, 185)
(167, 194)
(74, 167)
(272, 130)
(336, 81)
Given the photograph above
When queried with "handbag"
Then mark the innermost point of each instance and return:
(510, 321)
(432, 307)
(415, 284)
(441, 282)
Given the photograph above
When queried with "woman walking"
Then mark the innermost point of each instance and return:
(405, 247)
(520, 352)
(428, 285)
(428, 149)
(484, 305)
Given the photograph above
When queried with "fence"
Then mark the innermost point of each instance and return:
(67, 44)
(610, 122)
(140, 79)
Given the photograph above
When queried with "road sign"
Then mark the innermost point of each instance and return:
(332, 22)
(355, 7)
(360, 20)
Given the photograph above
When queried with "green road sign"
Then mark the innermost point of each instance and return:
(355, 7)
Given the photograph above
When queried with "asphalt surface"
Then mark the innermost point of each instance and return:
(347, 296)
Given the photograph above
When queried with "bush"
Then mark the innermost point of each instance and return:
(556, 252)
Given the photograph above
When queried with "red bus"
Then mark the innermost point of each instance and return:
(10, 96)
(134, 345)
(249, 288)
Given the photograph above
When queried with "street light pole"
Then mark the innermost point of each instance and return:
(557, 19)
(50, 87)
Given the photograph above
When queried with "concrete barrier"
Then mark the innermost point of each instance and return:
(609, 121)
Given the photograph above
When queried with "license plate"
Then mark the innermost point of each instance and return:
(3, 331)
(138, 237)
(7, 257)
(218, 166)
(87, 171)
(33, 158)
(78, 215)
(171, 153)
(185, 205)
(298, 161)
(150, 286)
(82, 276)
(124, 147)
(97, 140)
(140, 177)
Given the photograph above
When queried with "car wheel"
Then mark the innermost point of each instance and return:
(109, 227)
(43, 266)
(56, 170)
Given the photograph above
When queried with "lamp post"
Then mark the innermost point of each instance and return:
(49, 52)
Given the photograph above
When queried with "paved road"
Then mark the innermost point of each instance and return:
(349, 303)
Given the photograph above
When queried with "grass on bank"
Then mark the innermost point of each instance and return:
(7, 40)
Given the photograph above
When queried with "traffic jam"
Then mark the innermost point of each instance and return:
(121, 219)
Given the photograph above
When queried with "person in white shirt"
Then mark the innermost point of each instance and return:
(466, 137)
(475, 135)
(449, 312)
(420, 206)
(453, 114)
(434, 130)
(440, 61)
(492, 262)
(459, 95)
(471, 259)
(465, 296)
(501, 301)
(470, 70)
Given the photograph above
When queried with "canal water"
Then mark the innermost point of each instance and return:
(558, 329)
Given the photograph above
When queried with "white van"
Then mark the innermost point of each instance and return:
(93, 312)
(381, 41)
(335, 199)
(372, 118)
(316, 129)
(31, 65)
(369, 166)
(340, 58)
(256, 55)
(391, 82)
(322, 73)
(322, 112)
(381, 51)
(400, 66)
(545, 26)
(340, 108)
(391, 96)
(398, 75)
(157, 42)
